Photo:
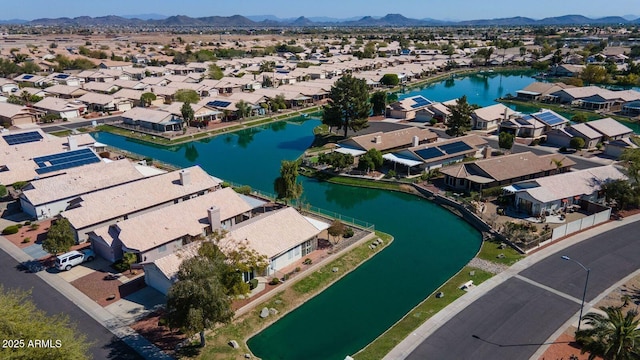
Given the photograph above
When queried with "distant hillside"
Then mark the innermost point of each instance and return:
(389, 20)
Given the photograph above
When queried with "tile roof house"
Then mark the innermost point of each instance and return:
(610, 129)
(153, 120)
(390, 140)
(155, 234)
(284, 236)
(12, 115)
(407, 108)
(47, 197)
(65, 108)
(504, 170)
(137, 197)
(551, 193)
(489, 117)
(540, 91)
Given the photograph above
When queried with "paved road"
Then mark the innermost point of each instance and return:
(515, 318)
(75, 124)
(105, 344)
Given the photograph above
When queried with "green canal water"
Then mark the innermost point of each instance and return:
(430, 243)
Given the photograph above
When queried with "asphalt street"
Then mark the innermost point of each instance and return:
(104, 344)
(514, 319)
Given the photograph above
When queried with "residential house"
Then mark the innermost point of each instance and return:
(550, 119)
(65, 108)
(47, 197)
(434, 155)
(387, 141)
(155, 234)
(152, 120)
(615, 148)
(610, 129)
(540, 91)
(526, 126)
(488, 118)
(504, 170)
(105, 102)
(562, 137)
(406, 109)
(201, 112)
(559, 192)
(136, 198)
(12, 115)
(8, 86)
(65, 91)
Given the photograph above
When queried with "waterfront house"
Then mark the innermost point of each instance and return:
(406, 109)
(387, 141)
(161, 232)
(135, 198)
(152, 120)
(562, 191)
(503, 170)
(610, 129)
(539, 91)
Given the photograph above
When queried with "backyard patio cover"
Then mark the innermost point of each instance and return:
(401, 160)
(351, 151)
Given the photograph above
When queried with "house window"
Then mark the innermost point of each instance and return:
(162, 248)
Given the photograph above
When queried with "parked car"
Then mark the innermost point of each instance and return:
(68, 260)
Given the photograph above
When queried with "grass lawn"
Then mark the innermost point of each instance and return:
(364, 183)
(421, 313)
(63, 133)
(249, 324)
(491, 249)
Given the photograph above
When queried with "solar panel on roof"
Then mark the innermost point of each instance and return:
(22, 138)
(219, 103)
(429, 153)
(455, 147)
(27, 77)
(523, 121)
(550, 118)
(65, 160)
(62, 76)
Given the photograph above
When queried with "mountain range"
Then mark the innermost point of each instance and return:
(389, 20)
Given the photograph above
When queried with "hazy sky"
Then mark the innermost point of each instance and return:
(417, 9)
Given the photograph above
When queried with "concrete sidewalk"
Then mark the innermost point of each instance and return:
(141, 345)
(414, 339)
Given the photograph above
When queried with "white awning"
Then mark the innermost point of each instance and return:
(320, 225)
(401, 160)
(350, 151)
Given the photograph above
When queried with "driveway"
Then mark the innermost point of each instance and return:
(512, 320)
(105, 344)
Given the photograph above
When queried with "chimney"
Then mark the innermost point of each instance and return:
(185, 177)
(377, 139)
(487, 152)
(72, 142)
(213, 213)
(416, 141)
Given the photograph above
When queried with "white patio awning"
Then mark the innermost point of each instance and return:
(401, 160)
(350, 151)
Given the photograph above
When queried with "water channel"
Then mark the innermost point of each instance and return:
(430, 243)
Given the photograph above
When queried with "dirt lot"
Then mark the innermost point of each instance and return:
(159, 335)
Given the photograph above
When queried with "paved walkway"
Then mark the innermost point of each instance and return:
(414, 339)
(141, 345)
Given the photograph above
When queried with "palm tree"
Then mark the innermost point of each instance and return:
(612, 336)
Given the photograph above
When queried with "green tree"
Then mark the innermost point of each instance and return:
(337, 160)
(485, 54)
(505, 140)
(336, 230)
(147, 98)
(577, 143)
(613, 335)
(129, 259)
(267, 82)
(198, 300)
(3, 191)
(187, 95)
(278, 103)
(621, 192)
(187, 112)
(348, 106)
(60, 237)
(286, 185)
(579, 118)
(22, 320)
(30, 67)
(215, 72)
(631, 158)
(244, 109)
(379, 102)
(371, 160)
(594, 74)
(267, 66)
(459, 121)
(390, 80)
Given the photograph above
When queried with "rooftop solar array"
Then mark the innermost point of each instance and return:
(455, 147)
(62, 76)
(27, 77)
(22, 138)
(550, 118)
(420, 101)
(65, 160)
(524, 120)
(429, 153)
(219, 103)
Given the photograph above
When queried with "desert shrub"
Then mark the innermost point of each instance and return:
(307, 261)
(3, 191)
(19, 184)
(34, 226)
(27, 223)
(26, 240)
(120, 265)
(493, 191)
(244, 190)
(253, 283)
(274, 281)
(348, 232)
(9, 230)
(297, 269)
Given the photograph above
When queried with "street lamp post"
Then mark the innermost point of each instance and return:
(586, 282)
